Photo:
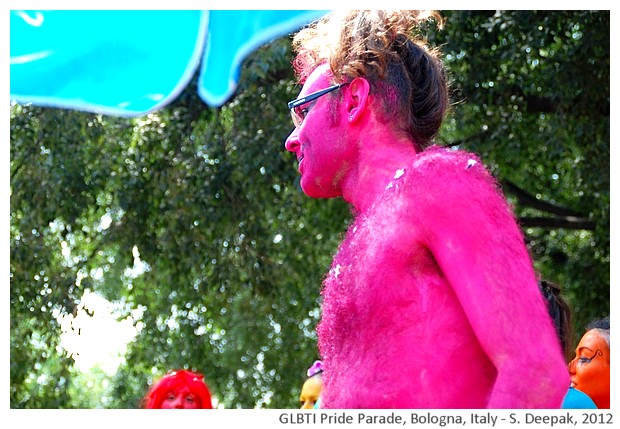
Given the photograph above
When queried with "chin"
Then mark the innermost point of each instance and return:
(319, 195)
(316, 192)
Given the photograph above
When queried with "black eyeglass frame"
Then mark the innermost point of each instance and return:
(311, 97)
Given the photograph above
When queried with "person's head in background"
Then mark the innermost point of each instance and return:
(560, 313)
(589, 370)
(179, 389)
(311, 389)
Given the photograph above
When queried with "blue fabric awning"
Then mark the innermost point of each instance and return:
(131, 62)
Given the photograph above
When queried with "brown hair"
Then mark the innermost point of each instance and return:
(560, 313)
(405, 75)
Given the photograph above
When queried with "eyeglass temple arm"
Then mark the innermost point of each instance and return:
(314, 95)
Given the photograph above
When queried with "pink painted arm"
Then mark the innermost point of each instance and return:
(473, 236)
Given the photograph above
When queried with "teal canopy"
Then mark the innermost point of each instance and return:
(131, 62)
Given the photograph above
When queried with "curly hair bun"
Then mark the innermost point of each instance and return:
(406, 76)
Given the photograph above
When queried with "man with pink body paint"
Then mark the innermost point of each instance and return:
(431, 300)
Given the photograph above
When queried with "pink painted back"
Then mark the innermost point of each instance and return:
(432, 300)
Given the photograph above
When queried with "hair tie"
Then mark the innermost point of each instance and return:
(316, 367)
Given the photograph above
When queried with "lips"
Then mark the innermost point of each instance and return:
(301, 158)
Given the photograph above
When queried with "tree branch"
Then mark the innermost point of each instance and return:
(529, 200)
(565, 218)
(567, 222)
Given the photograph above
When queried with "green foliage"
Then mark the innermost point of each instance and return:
(232, 254)
(534, 88)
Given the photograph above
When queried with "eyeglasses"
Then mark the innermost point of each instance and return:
(298, 113)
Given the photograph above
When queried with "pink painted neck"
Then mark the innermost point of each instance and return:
(378, 160)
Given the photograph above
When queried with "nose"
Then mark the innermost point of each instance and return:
(571, 366)
(292, 142)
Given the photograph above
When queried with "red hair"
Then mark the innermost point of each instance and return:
(194, 381)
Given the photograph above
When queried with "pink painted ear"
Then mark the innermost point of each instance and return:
(356, 98)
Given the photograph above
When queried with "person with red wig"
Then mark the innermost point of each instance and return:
(179, 389)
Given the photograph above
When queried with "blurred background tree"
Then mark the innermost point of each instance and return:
(191, 220)
(533, 93)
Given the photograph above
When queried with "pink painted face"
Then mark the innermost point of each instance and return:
(324, 154)
(181, 398)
